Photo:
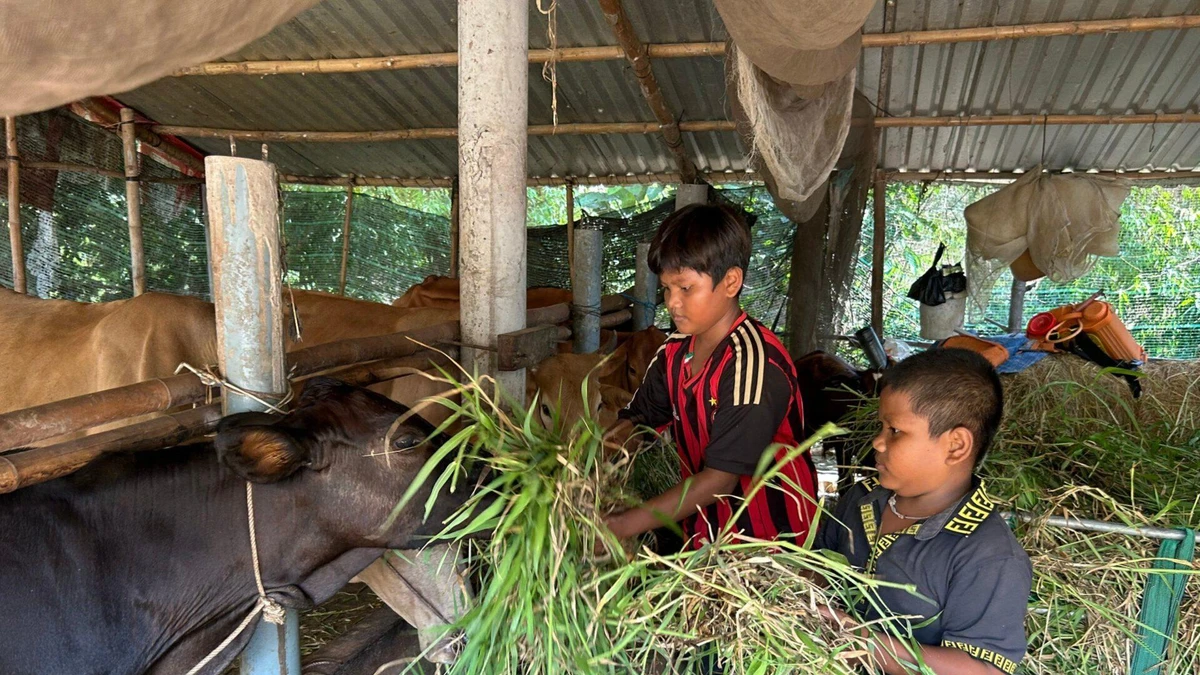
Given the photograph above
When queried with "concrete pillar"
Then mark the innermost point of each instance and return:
(586, 276)
(645, 289)
(493, 110)
(691, 194)
(1016, 307)
(243, 200)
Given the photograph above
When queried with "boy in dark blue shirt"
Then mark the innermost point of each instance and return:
(927, 521)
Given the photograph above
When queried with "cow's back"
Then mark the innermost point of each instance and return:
(57, 349)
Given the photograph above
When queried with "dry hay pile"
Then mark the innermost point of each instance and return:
(1075, 442)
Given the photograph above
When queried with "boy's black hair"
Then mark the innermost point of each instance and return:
(951, 388)
(708, 238)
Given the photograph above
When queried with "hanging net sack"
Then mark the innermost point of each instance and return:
(1042, 225)
(796, 140)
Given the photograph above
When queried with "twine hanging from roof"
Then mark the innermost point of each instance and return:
(57, 51)
(550, 67)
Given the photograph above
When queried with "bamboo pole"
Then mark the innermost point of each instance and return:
(639, 57)
(696, 126)
(133, 200)
(14, 204)
(107, 118)
(879, 240)
(37, 465)
(454, 228)
(108, 173)
(1030, 120)
(694, 49)
(429, 133)
(346, 239)
(993, 176)
(570, 190)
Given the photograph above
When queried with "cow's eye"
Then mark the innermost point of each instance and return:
(406, 441)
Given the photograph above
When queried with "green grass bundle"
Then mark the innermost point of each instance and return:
(547, 605)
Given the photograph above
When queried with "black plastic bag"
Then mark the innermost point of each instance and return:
(932, 286)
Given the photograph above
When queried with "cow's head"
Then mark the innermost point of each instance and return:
(556, 386)
(349, 459)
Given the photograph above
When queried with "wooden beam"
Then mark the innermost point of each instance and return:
(14, 204)
(639, 57)
(879, 240)
(690, 49)
(346, 239)
(133, 201)
(454, 233)
(570, 189)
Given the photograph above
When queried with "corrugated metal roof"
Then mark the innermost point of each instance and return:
(1141, 72)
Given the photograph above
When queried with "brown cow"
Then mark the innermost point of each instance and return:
(443, 293)
(558, 380)
(59, 349)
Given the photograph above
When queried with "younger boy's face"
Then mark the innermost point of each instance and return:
(911, 463)
(695, 303)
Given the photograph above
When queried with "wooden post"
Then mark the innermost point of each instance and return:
(454, 228)
(14, 204)
(346, 239)
(879, 230)
(570, 185)
(244, 243)
(133, 200)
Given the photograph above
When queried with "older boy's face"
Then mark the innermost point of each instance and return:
(910, 462)
(694, 303)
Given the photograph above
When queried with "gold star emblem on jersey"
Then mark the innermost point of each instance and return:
(712, 402)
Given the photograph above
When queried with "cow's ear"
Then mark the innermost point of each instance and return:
(613, 363)
(260, 453)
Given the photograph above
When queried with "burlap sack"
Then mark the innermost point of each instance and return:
(802, 43)
(57, 51)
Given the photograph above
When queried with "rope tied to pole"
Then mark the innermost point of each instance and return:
(209, 378)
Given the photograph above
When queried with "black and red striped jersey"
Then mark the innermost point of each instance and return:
(724, 414)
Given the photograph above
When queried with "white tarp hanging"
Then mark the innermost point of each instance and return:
(53, 52)
(1064, 221)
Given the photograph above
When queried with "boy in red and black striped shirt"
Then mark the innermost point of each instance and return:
(726, 388)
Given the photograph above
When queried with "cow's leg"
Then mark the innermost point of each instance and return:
(428, 590)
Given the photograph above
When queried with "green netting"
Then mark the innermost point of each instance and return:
(1154, 286)
(77, 244)
(74, 225)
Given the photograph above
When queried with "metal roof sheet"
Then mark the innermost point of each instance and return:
(1139, 72)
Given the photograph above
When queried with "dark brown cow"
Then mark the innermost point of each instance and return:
(141, 563)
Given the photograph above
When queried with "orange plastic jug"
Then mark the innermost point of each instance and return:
(1102, 325)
